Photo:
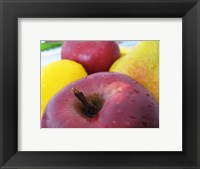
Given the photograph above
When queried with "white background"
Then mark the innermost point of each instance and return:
(168, 137)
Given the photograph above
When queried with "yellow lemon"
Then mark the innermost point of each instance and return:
(142, 64)
(57, 75)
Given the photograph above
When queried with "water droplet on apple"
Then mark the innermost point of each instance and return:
(150, 105)
(136, 91)
(114, 122)
(145, 123)
(117, 102)
(133, 117)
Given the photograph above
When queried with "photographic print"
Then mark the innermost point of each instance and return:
(99, 84)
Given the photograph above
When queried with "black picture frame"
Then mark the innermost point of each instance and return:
(11, 10)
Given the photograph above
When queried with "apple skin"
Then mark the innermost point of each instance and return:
(95, 56)
(124, 103)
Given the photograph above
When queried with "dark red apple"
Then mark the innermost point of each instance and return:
(95, 56)
(103, 100)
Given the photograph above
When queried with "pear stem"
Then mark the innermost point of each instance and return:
(90, 109)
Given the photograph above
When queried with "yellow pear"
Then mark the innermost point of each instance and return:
(142, 64)
(124, 51)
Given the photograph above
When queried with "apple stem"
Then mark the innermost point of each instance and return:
(90, 109)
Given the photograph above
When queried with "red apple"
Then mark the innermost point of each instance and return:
(95, 56)
(102, 100)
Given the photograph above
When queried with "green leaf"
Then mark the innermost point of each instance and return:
(49, 45)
